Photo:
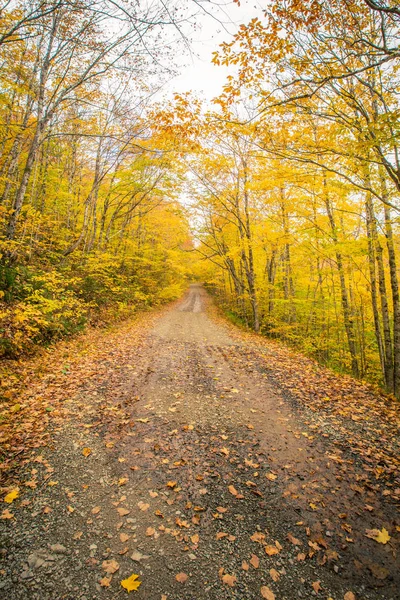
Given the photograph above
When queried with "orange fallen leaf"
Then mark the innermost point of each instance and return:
(124, 537)
(233, 490)
(150, 531)
(245, 566)
(123, 480)
(267, 593)
(293, 539)
(181, 577)
(316, 586)
(271, 550)
(274, 575)
(96, 510)
(195, 538)
(229, 579)
(349, 596)
(86, 451)
(110, 566)
(171, 484)
(255, 561)
(6, 514)
(122, 512)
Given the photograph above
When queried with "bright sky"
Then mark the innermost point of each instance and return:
(200, 75)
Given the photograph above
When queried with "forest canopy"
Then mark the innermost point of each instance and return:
(283, 195)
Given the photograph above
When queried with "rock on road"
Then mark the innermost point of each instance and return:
(179, 458)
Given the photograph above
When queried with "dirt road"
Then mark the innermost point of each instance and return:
(177, 455)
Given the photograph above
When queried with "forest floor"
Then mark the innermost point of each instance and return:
(210, 462)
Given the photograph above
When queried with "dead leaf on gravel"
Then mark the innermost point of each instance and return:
(171, 484)
(233, 490)
(96, 510)
(123, 512)
(382, 537)
(86, 451)
(123, 480)
(195, 538)
(274, 575)
(255, 561)
(229, 579)
(11, 496)
(143, 506)
(124, 537)
(105, 582)
(6, 514)
(221, 509)
(267, 593)
(293, 539)
(301, 556)
(138, 556)
(316, 586)
(181, 577)
(245, 566)
(78, 535)
(349, 596)
(271, 476)
(110, 566)
(258, 537)
(150, 531)
(70, 508)
(271, 550)
(132, 583)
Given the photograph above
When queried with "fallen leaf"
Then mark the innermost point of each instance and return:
(271, 476)
(6, 514)
(132, 583)
(271, 550)
(123, 481)
(70, 508)
(143, 506)
(258, 537)
(110, 566)
(294, 540)
(181, 577)
(245, 566)
(229, 579)
(86, 451)
(316, 586)
(233, 490)
(382, 537)
(122, 512)
(171, 484)
(349, 596)
(150, 531)
(267, 593)
(124, 537)
(274, 574)
(105, 582)
(96, 510)
(138, 556)
(195, 538)
(11, 496)
(255, 561)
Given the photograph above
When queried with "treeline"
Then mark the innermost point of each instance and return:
(297, 181)
(89, 219)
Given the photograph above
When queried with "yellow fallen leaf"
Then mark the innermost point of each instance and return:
(70, 508)
(86, 451)
(123, 481)
(51, 483)
(382, 537)
(271, 476)
(11, 496)
(132, 583)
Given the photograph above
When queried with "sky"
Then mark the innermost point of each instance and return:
(197, 72)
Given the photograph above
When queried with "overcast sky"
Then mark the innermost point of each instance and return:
(199, 74)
